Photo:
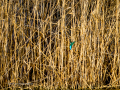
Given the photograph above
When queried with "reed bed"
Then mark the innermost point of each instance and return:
(35, 36)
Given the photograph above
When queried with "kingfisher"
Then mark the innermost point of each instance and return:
(71, 44)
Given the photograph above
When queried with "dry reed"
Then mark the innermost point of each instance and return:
(34, 44)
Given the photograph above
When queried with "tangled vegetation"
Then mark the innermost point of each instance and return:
(35, 37)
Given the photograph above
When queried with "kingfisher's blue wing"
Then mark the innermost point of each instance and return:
(70, 47)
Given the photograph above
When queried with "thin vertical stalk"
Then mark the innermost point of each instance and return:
(96, 31)
(62, 40)
(117, 35)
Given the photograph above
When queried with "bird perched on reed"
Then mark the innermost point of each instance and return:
(71, 44)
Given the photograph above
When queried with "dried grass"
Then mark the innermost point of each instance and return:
(34, 44)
